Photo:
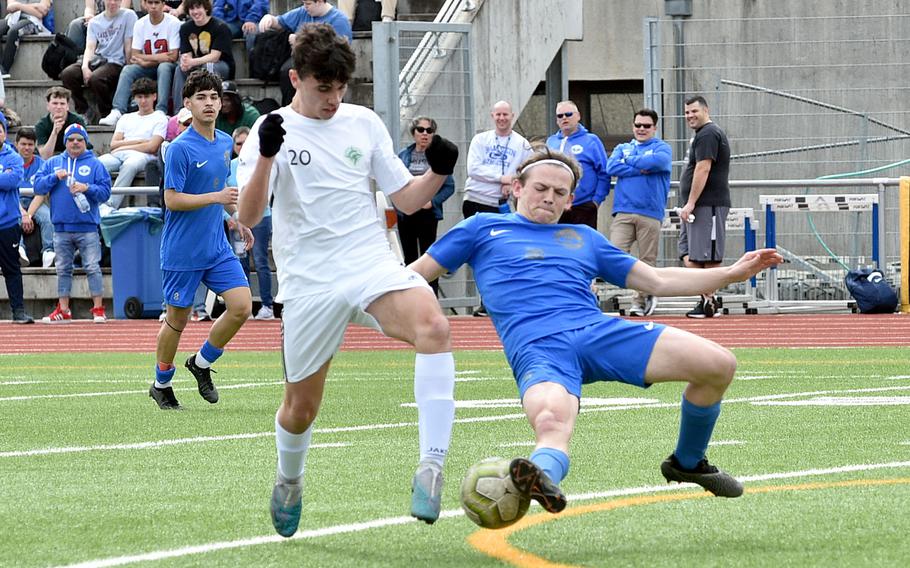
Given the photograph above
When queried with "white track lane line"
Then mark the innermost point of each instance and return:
(393, 521)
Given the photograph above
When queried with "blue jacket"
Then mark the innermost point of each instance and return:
(445, 192)
(28, 177)
(591, 155)
(240, 10)
(64, 213)
(291, 21)
(644, 177)
(10, 175)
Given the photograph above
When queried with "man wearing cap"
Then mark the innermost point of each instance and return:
(234, 112)
(10, 230)
(153, 54)
(136, 140)
(77, 183)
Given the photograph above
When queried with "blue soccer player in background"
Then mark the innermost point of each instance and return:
(534, 275)
(194, 246)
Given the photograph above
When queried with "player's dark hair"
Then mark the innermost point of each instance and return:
(201, 80)
(647, 112)
(544, 152)
(27, 132)
(206, 4)
(144, 86)
(697, 99)
(323, 54)
(416, 122)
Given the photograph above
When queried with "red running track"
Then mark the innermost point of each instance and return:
(848, 330)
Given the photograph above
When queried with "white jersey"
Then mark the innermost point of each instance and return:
(324, 220)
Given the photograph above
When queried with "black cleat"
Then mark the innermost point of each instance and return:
(165, 398)
(532, 481)
(718, 482)
(204, 380)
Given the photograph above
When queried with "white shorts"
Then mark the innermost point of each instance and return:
(313, 326)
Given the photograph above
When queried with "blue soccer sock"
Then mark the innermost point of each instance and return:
(207, 355)
(555, 463)
(163, 376)
(696, 424)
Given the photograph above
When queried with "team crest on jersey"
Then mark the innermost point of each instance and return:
(353, 154)
(216, 184)
(577, 148)
(84, 170)
(227, 158)
(569, 238)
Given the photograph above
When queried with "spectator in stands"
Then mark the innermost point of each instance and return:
(262, 237)
(49, 129)
(348, 7)
(106, 50)
(642, 167)
(10, 230)
(587, 149)
(418, 230)
(37, 212)
(312, 11)
(242, 17)
(136, 140)
(234, 112)
(156, 41)
(79, 26)
(23, 19)
(205, 42)
(70, 178)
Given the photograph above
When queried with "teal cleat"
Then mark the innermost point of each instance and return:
(285, 506)
(426, 492)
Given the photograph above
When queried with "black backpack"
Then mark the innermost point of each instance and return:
(60, 54)
(871, 291)
(269, 53)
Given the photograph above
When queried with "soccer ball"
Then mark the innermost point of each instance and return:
(488, 496)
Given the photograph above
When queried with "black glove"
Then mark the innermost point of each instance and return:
(441, 155)
(271, 135)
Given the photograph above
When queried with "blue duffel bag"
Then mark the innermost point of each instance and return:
(871, 291)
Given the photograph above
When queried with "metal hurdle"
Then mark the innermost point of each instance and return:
(773, 204)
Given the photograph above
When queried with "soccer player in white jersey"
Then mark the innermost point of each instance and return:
(194, 247)
(535, 274)
(314, 160)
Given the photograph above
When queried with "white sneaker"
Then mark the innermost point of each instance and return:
(265, 313)
(23, 258)
(47, 258)
(650, 305)
(111, 119)
(637, 310)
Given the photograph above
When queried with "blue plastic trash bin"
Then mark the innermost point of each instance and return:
(134, 235)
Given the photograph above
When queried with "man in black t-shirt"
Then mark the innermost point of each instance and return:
(205, 41)
(704, 198)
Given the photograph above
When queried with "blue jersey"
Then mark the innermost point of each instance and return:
(535, 279)
(195, 240)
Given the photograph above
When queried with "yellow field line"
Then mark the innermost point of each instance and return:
(495, 543)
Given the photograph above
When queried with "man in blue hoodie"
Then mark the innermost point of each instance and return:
(10, 230)
(77, 182)
(642, 167)
(587, 149)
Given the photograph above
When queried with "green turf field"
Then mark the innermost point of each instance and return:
(94, 473)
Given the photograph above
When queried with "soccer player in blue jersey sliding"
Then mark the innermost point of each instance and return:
(535, 274)
(194, 246)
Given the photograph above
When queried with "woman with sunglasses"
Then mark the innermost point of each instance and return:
(418, 231)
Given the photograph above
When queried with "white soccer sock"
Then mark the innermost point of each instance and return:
(434, 391)
(292, 450)
(201, 361)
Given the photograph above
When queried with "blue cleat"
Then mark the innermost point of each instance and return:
(426, 492)
(285, 506)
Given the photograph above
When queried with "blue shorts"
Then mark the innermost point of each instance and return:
(611, 350)
(179, 286)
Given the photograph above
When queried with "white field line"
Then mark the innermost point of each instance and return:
(476, 419)
(394, 521)
(144, 391)
(727, 443)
